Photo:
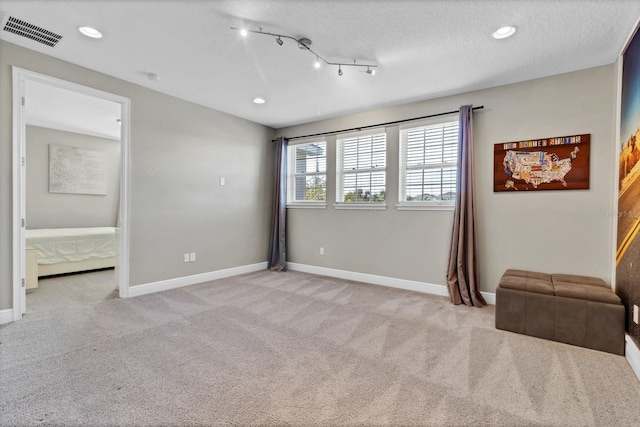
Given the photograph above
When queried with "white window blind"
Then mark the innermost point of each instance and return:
(361, 168)
(307, 172)
(428, 163)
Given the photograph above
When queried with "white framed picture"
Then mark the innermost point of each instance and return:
(77, 171)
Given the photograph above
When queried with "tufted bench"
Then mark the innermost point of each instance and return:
(577, 310)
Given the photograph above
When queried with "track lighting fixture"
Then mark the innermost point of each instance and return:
(305, 44)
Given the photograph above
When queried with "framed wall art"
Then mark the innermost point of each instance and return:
(628, 188)
(77, 171)
(558, 163)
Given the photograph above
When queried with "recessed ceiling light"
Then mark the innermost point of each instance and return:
(90, 32)
(259, 100)
(504, 32)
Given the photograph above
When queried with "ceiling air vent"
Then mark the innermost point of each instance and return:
(30, 31)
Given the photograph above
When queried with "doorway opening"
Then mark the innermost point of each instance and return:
(70, 185)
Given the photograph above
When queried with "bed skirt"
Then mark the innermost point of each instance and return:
(72, 267)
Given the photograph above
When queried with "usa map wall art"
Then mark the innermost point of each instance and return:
(559, 163)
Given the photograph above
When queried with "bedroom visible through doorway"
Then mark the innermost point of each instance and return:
(71, 238)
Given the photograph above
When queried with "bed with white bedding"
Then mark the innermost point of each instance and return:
(67, 250)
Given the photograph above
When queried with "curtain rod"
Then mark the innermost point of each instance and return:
(378, 125)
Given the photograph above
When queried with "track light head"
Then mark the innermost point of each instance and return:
(279, 41)
(371, 71)
(244, 32)
(340, 70)
(304, 43)
(317, 63)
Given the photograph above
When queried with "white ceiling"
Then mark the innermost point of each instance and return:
(56, 108)
(424, 49)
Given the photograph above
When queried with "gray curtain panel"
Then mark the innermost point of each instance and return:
(462, 275)
(277, 244)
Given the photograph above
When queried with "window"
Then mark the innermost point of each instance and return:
(307, 172)
(361, 165)
(428, 164)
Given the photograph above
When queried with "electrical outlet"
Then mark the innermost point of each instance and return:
(321, 251)
(635, 314)
(186, 257)
(192, 257)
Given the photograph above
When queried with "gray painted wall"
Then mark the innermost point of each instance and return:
(54, 210)
(178, 152)
(554, 231)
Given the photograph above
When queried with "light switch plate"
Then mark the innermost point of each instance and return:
(635, 314)
(192, 256)
(186, 257)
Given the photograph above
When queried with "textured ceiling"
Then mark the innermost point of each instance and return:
(424, 49)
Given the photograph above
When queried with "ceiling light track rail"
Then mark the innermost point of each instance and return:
(305, 44)
(378, 125)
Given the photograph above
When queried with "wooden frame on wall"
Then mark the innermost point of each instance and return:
(558, 163)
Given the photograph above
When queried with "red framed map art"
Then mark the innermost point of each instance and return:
(559, 163)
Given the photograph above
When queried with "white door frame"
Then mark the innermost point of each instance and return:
(20, 77)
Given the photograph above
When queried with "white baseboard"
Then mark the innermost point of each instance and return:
(6, 316)
(489, 297)
(632, 353)
(410, 285)
(165, 285)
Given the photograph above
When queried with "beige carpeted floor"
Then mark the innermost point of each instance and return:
(72, 291)
(296, 349)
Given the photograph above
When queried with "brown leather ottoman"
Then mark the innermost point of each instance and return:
(578, 310)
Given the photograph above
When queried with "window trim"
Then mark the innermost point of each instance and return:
(374, 206)
(426, 206)
(404, 204)
(309, 204)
